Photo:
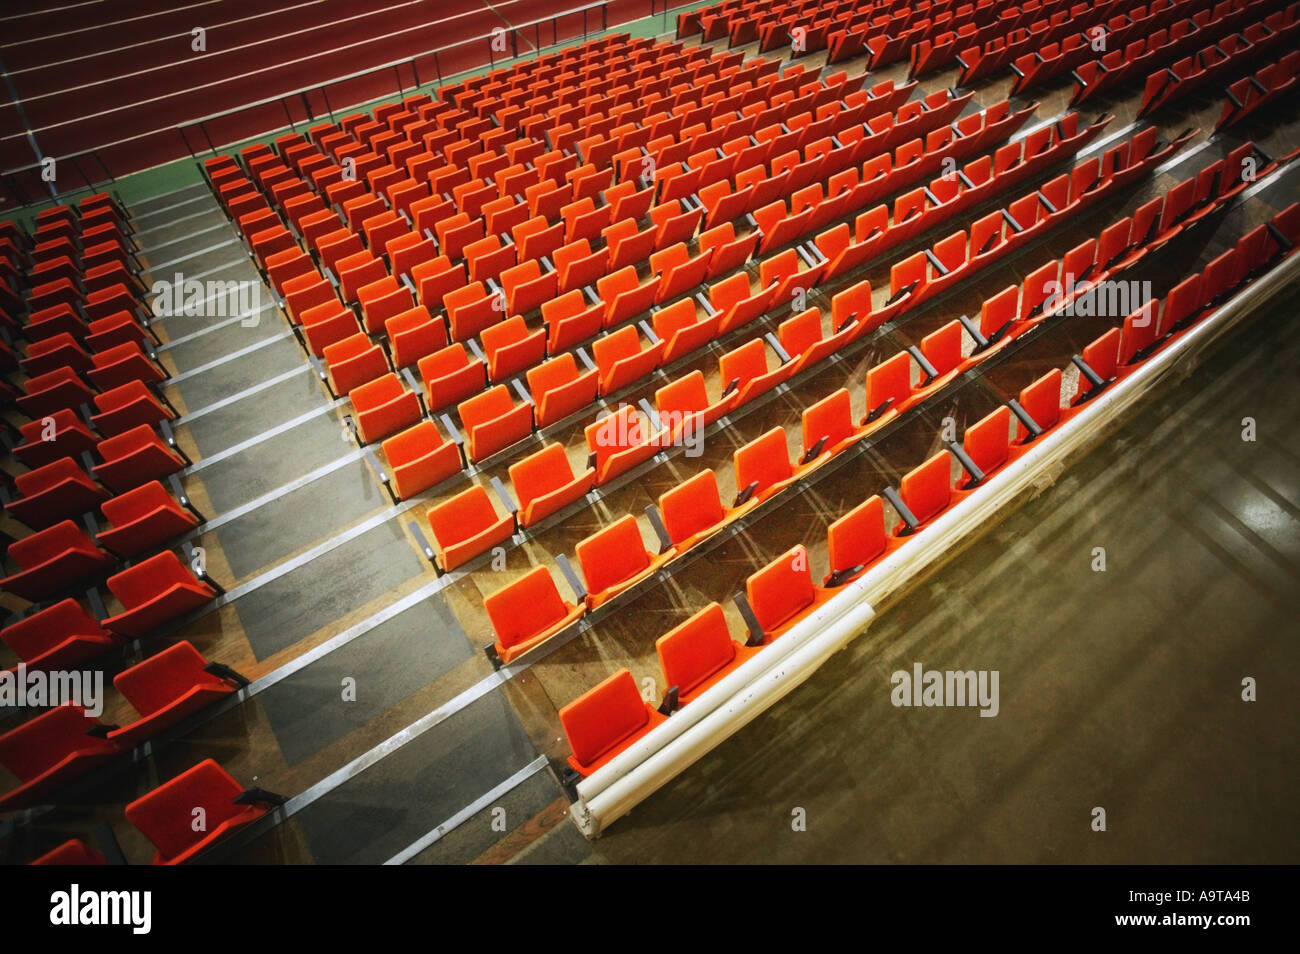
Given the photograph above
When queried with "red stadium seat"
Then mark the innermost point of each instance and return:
(54, 492)
(53, 560)
(62, 636)
(493, 422)
(48, 750)
(135, 457)
(154, 592)
(166, 816)
(143, 519)
(781, 593)
(72, 852)
(167, 687)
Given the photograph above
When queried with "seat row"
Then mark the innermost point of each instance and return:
(1250, 93)
(166, 816)
(63, 743)
(701, 651)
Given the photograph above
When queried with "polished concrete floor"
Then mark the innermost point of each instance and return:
(1120, 690)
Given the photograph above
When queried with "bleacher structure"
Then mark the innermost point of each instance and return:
(519, 303)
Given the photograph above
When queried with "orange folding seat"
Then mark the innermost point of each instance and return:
(927, 490)
(471, 309)
(357, 271)
(558, 389)
(457, 231)
(682, 330)
(450, 376)
(577, 265)
(605, 720)
(53, 560)
(527, 612)
(493, 422)
(763, 467)
(570, 320)
(619, 441)
(620, 359)
(420, 458)
(133, 457)
(698, 653)
(855, 540)
(67, 436)
(735, 306)
(781, 593)
(154, 592)
(286, 265)
(537, 239)
(1041, 400)
(382, 299)
(693, 510)
(726, 252)
(615, 558)
(544, 482)
(526, 286)
(828, 427)
(327, 324)
(144, 519)
(677, 271)
(166, 815)
(54, 492)
(987, 441)
(625, 246)
(167, 687)
(466, 525)
(47, 751)
(889, 386)
(413, 334)
(354, 361)
(624, 295)
(512, 348)
(384, 406)
(746, 373)
(673, 225)
(306, 292)
(407, 251)
(683, 405)
(488, 258)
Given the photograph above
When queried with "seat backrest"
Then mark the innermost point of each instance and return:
(167, 815)
(801, 332)
(831, 417)
(539, 474)
(781, 589)
(45, 545)
(926, 489)
(858, 537)
(603, 716)
(695, 650)
(462, 516)
(491, 404)
(987, 440)
(1042, 399)
(765, 460)
(163, 678)
(551, 374)
(149, 578)
(524, 608)
(34, 634)
(683, 396)
(612, 555)
(692, 507)
(45, 741)
(891, 379)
